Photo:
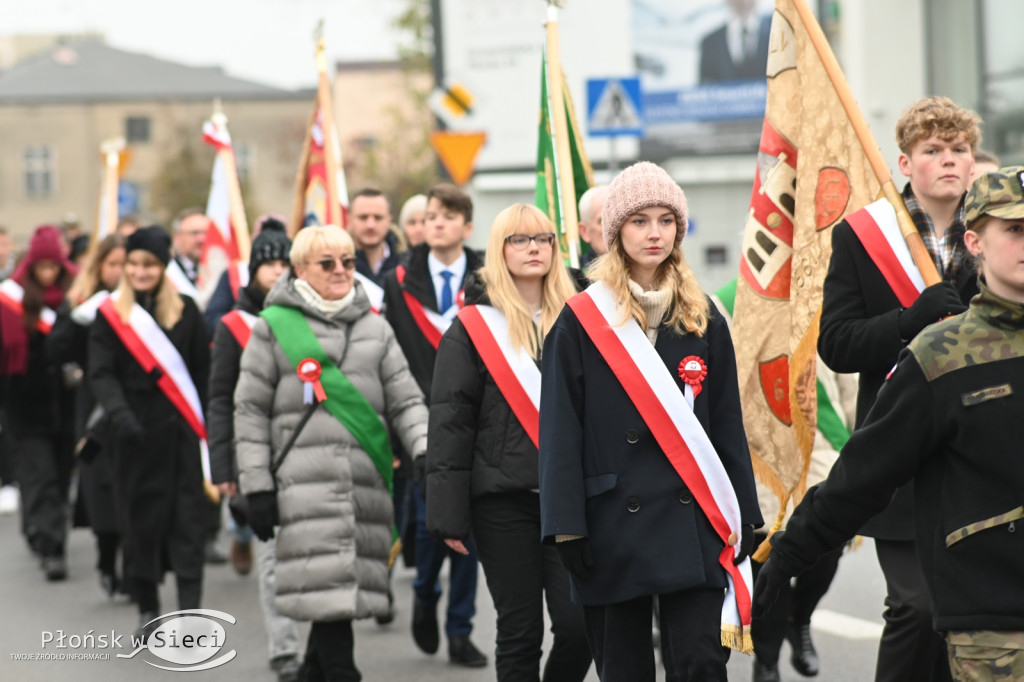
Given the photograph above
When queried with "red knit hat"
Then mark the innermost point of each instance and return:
(45, 244)
(641, 186)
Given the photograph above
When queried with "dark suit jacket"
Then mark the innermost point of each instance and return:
(716, 62)
(859, 333)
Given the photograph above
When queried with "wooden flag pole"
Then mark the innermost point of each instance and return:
(239, 224)
(106, 211)
(922, 258)
(299, 205)
(334, 213)
(563, 157)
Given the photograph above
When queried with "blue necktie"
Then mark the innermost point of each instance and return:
(446, 291)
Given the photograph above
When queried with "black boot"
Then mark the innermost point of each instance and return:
(804, 658)
(766, 673)
(145, 628)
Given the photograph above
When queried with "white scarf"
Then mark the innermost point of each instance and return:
(319, 303)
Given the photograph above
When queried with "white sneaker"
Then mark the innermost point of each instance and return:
(8, 500)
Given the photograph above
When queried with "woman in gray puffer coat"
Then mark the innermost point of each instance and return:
(330, 495)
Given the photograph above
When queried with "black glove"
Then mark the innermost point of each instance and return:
(746, 544)
(576, 557)
(263, 514)
(128, 429)
(935, 302)
(771, 579)
(419, 469)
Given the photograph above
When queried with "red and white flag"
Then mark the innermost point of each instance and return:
(227, 238)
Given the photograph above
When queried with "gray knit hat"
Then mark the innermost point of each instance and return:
(641, 186)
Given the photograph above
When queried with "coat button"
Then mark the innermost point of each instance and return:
(632, 505)
(685, 497)
(632, 436)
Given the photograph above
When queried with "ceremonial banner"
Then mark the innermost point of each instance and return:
(548, 193)
(321, 196)
(811, 172)
(227, 238)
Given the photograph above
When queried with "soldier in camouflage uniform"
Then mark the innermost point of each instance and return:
(960, 386)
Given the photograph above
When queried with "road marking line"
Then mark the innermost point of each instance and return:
(842, 625)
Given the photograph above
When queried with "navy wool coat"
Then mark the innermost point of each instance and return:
(603, 475)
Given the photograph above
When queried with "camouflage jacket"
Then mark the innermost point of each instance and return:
(949, 418)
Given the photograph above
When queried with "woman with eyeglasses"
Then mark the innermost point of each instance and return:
(322, 382)
(481, 464)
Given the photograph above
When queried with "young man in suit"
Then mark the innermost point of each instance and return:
(864, 326)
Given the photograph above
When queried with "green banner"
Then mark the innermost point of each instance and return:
(547, 196)
(344, 401)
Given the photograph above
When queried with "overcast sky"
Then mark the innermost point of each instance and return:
(270, 41)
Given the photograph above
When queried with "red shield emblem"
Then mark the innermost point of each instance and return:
(830, 196)
(775, 385)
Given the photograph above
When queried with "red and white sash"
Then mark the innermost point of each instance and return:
(151, 348)
(653, 390)
(240, 323)
(876, 227)
(11, 296)
(374, 292)
(182, 284)
(84, 313)
(431, 323)
(513, 370)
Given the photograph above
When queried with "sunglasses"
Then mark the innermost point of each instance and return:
(520, 241)
(330, 264)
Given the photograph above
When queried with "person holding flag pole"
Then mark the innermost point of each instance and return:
(646, 486)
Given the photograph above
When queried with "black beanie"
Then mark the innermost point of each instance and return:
(270, 244)
(153, 239)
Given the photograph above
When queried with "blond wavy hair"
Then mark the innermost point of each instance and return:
(87, 282)
(689, 311)
(939, 117)
(169, 306)
(501, 288)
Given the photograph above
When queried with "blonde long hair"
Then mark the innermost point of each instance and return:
(689, 311)
(501, 288)
(87, 282)
(168, 308)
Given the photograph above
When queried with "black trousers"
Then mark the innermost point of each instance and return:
(794, 604)
(521, 572)
(910, 649)
(691, 639)
(44, 476)
(330, 653)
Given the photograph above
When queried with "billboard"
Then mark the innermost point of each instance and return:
(702, 68)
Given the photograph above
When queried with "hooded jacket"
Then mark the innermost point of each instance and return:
(335, 509)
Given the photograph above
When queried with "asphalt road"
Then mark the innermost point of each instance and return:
(846, 626)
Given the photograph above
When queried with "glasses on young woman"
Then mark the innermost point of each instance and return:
(520, 241)
(330, 264)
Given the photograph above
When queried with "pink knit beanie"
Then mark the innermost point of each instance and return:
(641, 186)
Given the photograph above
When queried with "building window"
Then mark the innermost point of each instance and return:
(40, 170)
(245, 159)
(716, 255)
(136, 129)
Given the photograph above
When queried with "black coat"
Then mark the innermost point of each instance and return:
(37, 403)
(390, 263)
(948, 418)
(225, 365)
(475, 444)
(68, 343)
(859, 333)
(162, 507)
(599, 459)
(415, 346)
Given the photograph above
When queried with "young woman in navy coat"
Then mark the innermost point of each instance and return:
(624, 522)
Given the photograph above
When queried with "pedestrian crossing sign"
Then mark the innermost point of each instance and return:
(614, 107)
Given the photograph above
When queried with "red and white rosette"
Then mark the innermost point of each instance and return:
(309, 373)
(692, 370)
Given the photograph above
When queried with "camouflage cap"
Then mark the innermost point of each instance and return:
(999, 194)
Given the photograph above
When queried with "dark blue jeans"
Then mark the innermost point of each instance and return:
(430, 555)
(691, 640)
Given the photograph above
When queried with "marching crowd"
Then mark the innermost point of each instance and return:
(386, 393)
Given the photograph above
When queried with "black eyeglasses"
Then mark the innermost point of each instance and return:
(329, 264)
(520, 241)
